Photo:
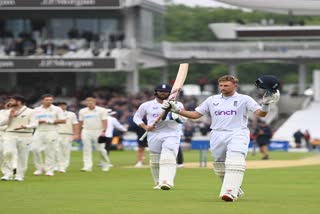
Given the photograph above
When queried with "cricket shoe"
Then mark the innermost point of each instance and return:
(6, 178)
(84, 169)
(38, 172)
(228, 197)
(105, 169)
(62, 170)
(240, 193)
(18, 178)
(165, 187)
(50, 174)
(138, 164)
(157, 187)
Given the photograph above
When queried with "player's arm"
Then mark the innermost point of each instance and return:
(138, 118)
(59, 122)
(189, 114)
(261, 113)
(176, 109)
(80, 127)
(119, 126)
(60, 118)
(145, 126)
(105, 126)
(75, 128)
(4, 120)
(104, 120)
(7, 116)
(81, 119)
(32, 122)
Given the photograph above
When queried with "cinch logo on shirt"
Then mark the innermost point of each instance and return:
(155, 115)
(231, 112)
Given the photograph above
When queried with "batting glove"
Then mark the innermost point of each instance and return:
(178, 118)
(171, 105)
(269, 97)
(165, 105)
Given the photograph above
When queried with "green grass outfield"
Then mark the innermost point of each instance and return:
(129, 190)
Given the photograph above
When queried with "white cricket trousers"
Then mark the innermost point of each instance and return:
(16, 145)
(222, 143)
(167, 146)
(163, 142)
(64, 150)
(44, 142)
(89, 138)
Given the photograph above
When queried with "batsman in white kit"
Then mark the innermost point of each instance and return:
(163, 139)
(229, 138)
(17, 138)
(92, 124)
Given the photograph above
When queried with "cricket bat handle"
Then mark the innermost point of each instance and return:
(143, 136)
(162, 115)
(165, 114)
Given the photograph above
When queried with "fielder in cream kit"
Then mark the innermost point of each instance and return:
(67, 133)
(17, 138)
(45, 138)
(2, 131)
(163, 140)
(92, 124)
(229, 137)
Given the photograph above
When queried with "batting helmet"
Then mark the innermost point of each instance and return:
(268, 82)
(163, 88)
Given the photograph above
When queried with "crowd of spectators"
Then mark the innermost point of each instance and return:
(30, 44)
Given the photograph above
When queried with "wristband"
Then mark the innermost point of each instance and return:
(265, 107)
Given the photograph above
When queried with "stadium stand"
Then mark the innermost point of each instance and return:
(305, 119)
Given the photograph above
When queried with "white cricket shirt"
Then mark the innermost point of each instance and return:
(228, 113)
(152, 109)
(23, 117)
(92, 119)
(67, 128)
(113, 123)
(51, 114)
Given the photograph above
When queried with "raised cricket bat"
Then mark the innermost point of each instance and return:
(176, 88)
